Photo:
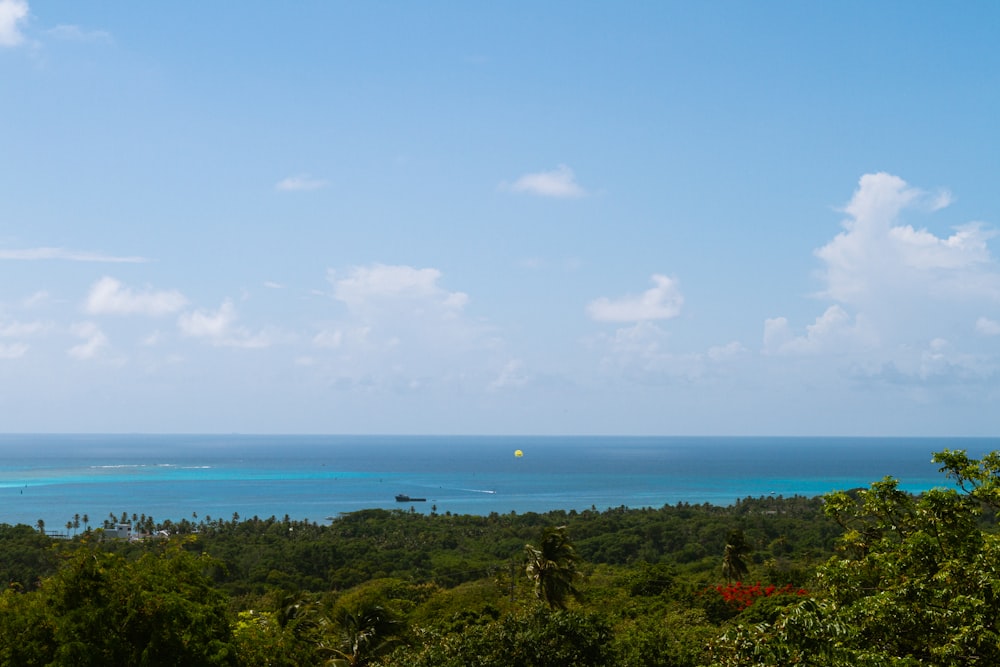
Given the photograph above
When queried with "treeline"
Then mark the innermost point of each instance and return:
(867, 577)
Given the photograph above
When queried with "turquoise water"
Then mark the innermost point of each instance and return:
(53, 477)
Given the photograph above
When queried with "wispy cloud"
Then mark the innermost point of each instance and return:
(21, 329)
(300, 183)
(639, 353)
(660, 302)
(987, 327)
(12, 13)
(74, 33)
(12, 350)
(559, 183)
(110, 297)
(513, 375)
(34, 254)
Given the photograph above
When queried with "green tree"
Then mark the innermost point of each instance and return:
(736, 550)
(100, 608)
(529, 638)
(916, 581)
(363, 635)
(552, 566)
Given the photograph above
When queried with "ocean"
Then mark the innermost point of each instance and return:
(54, 477)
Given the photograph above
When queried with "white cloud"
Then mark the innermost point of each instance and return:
(639, 353)
(512, 375)
(935, 364)
(300, 183)
(399, 329)
(894, 287)
(12, 13)
(877, 259)
(94, 341)
(380, 283)
(832, 332)
(942, 200)
(660, 302)
(330, 339)
(721, 353)
(109, 296)
(202, 324)
(33, 254)
(560, 183)
(22, 329)
(74, 33)
(35, 300)
(987, 327)
(219, 328)
(13, 350)
(152, 340)
(19, 330)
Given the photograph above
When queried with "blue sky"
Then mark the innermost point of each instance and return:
(543, 218)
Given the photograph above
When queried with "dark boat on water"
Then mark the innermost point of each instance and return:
(403, 498)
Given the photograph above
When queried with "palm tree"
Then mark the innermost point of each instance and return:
(41, 526)
(733, 565)
(365, 635)
(552, 567)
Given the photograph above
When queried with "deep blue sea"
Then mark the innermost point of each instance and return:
(53, 477)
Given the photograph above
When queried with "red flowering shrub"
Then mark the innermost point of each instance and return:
(739, 596)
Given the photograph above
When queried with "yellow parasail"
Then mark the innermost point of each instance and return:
(518, 453)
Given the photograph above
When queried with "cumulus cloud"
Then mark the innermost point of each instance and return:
(94, 341)
(660, 302)
(877, 257)
(110, 297)
(366, 285)
(12, 14)
(899, 292)
(33, 254)
(833, 331)
(559, 183)
(300, 183)
(203, 324)
(219, 328)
